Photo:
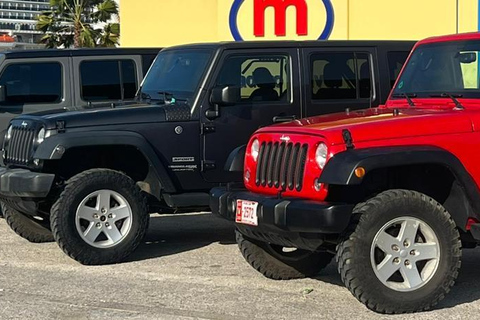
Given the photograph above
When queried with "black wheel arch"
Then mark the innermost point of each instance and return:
(235, 160)
(464, 198)
(55, 147)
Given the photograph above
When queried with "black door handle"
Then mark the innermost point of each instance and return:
(280, 119)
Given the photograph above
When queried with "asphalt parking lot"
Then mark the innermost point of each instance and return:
(188, 267)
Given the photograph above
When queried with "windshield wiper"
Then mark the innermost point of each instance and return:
(165, 94)
(407, 96)
(454, 97)
(172, 99)
(144, 97)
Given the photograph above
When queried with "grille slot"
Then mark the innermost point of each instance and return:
(277, 166)
(281, 165)
(19, 149)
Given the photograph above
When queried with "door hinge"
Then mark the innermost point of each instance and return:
(207, 128)
(208, 165)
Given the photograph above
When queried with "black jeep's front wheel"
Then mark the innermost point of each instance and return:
(278, 263)
(401, 254)
(100, 217)
(36, 231)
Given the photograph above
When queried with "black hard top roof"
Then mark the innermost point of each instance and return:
(46, 53)
(295, 44)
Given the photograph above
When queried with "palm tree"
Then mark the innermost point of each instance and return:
(70, 22)
(109, 36)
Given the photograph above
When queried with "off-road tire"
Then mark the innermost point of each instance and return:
(63, 214)
(26, 227)
(272, 265)
(353, 253)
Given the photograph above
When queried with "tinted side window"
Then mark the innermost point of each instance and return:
(340, 75)
(129, 79)
(32, 83)
(364, 72)
(260, 77)
(108, 80)
(395, 64)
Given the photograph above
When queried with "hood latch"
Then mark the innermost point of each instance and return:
(347, 137)
(61, 126)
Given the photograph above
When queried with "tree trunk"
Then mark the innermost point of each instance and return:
(76, 37)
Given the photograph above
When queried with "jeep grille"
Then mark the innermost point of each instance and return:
(281, 165)
(19, 149)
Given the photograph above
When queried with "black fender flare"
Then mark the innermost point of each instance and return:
(54, 147)
(340, 170)
(235, 160)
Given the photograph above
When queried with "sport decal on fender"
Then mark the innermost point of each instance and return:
(177, 165)
(183, 159)
(280, 7)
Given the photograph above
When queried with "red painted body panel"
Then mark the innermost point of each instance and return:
(380, 124)
(431, 122)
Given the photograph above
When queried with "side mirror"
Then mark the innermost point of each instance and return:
(225, 96)
(3, 94)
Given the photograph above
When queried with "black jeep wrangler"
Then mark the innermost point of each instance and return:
(88, 179)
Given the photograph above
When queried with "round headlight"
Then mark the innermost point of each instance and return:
(41, 135)
(321, 155)
(255, 149)
(8, 136)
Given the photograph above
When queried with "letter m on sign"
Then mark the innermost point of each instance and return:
(280, 7)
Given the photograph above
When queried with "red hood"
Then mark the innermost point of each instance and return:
(379, 124)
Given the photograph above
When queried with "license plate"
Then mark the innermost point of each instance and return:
(247, 212)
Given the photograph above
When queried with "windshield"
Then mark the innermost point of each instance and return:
(442, 68)
(175, 75)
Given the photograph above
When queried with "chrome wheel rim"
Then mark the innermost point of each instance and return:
(405, 254)
(103, 219)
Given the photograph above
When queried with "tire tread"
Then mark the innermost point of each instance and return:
(274, 268)
(347, 269)
(67, 195)
(25, 227)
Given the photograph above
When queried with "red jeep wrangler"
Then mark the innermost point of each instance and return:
(391, 192)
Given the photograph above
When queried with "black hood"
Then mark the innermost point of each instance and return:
(100, 117)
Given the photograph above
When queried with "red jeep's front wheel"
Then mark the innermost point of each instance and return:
(402, 253)
(281, 263)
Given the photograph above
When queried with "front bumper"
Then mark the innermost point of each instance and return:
(287, 216)
(22, 183)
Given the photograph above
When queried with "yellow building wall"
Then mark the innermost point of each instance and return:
(409, 19)
(153, 23)
(468, 15)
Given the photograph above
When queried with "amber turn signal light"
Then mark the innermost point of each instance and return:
(360, 172)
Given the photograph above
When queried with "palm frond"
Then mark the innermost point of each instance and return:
(110, 36)
(105, 10)
(69, 22)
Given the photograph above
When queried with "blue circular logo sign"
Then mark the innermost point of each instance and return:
(261, 5)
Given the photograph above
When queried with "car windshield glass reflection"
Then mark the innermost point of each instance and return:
(442, 69)
(175, 76)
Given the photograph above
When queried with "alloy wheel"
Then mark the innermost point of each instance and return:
(103, 219)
